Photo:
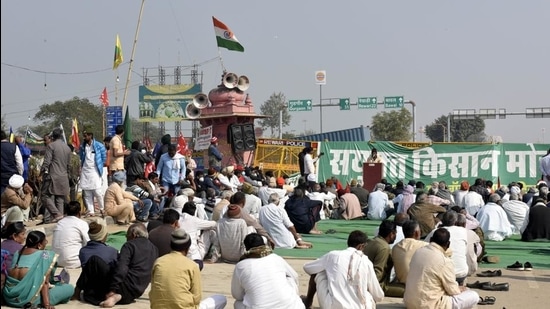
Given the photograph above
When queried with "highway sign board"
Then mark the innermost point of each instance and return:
(344, 104)
(113, 115)
(393, 102)
(300, 105)
(367, 103)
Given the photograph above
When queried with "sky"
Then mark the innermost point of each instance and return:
(444, 55)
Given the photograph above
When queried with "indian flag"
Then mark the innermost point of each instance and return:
(225, 37)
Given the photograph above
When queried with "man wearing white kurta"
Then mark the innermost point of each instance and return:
(517, 212)
(69, 236)
(93, 156)
(459, 244)
(344, 279)
(472, 201)
(493, 220)
(264, 280)
(276, 222)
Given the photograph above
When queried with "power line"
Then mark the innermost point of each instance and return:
(57, 73)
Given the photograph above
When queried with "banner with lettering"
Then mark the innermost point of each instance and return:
(451, 163)
(203, 140)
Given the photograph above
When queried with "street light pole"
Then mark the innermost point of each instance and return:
(321, 107)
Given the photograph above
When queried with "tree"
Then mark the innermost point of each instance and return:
(392, 126)
(88, 115)
(467, 130)
(272, 108)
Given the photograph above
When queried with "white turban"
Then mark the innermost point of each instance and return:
(515, 190)
(187, 192)
(179, 201)
(16, 181)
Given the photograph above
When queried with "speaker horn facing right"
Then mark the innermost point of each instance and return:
(200, 100)
(230, 80)
(244, 83)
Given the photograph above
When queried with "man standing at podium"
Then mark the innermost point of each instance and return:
(374, 158)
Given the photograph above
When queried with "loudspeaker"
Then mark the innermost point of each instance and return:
(237, 138)
(249, 136)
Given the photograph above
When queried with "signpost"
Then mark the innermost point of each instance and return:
(344, 104)
(367, 103)
(114, 118)
(393, 102)
(300, 105)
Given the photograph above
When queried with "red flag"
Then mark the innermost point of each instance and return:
(75, 139)
(103, 97)
(182, 145)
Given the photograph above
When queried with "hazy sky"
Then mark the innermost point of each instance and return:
(444, 55)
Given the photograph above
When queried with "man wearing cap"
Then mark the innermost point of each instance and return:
(171, 169)
(214, 155)
(493, 220)
(176, 280)
(232, 230)
(16, 200)
(119, 203)
(98, 260)
(253, 203)
(225, 179)
(11, 161)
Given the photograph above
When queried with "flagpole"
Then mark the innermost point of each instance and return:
(132, 56)
(221, 59)
(116, 88)
(103, 120)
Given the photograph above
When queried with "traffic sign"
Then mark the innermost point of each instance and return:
(321, 77)
(367, 103)
(114, 118)
(393, 102)
(300, 105)
(344, 104)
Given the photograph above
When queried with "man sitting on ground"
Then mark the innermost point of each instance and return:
(69, 236)
(344, 278)
(493, 220)
(176, 280)
(350, 207)
(379, 252)
(424, 213)
(403, 251)
(133, 272)
(15, 200)
(538, 226)
(232, 230)
(275, 220)
(517, 212)
(262, 279)
(431, 282)
(303, 212)
(102, 259)
(160, 236)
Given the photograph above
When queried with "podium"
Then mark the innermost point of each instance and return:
(372, 174)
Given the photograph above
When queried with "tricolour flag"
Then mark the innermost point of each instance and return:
(118, 53)
(104, 98)
(75, 139)
(225, 37)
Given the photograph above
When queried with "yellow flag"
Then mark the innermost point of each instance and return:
(118, 53)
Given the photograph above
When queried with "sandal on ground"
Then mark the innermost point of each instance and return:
(488, 300)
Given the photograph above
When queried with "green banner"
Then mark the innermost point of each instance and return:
(165, 102)
(451, 163)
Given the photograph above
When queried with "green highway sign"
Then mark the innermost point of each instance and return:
(344, 104)
(394, 102)
(300, 105)
(367, 103)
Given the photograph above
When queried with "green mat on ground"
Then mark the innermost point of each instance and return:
(509, 251)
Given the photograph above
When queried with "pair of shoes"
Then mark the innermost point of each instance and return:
(518, 266)
(490, 273)
(488, 300)
(496, 286)
(477, 284)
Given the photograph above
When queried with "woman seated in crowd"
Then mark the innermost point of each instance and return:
(29, 277)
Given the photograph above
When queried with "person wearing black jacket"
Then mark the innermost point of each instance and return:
(134, 163)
